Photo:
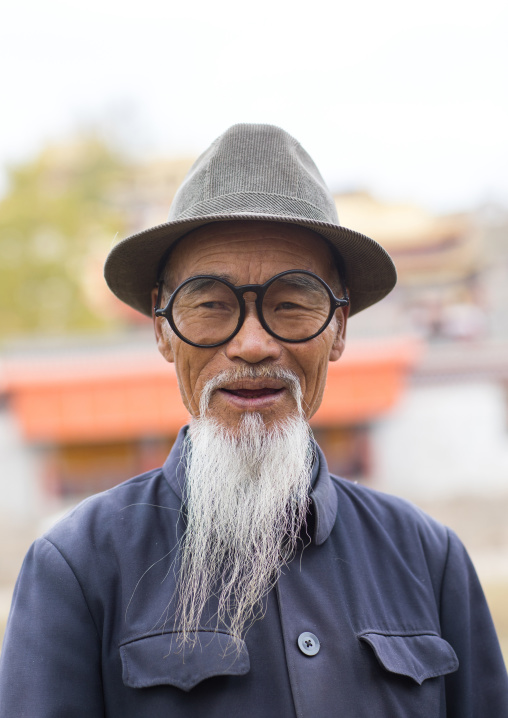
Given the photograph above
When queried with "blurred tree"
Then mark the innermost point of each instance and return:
(58, 219)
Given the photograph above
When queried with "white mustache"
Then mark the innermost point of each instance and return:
(228, 376)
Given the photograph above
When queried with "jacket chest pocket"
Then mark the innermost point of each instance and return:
(406, 673)
(418, 656)
(159, 659)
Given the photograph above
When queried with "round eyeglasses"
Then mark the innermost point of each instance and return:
(207, 311)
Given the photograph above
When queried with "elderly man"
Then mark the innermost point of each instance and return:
(241, 578)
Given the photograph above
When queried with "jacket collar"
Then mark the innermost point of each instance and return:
(323, 496)
(325, 502)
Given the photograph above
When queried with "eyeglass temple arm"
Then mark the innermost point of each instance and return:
(158, 312)
(343, 302)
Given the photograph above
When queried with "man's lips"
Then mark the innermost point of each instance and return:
(253, 393)
(251, 390)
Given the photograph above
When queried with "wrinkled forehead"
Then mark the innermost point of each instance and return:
(248, 251)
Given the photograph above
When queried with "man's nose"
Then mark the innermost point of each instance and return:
(253, 344)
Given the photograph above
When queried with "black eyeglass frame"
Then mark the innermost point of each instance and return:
(260, 291)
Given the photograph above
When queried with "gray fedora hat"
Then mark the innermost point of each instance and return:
(255, 173)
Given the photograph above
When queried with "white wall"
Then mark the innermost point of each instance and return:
(443, 440)
(19, 471)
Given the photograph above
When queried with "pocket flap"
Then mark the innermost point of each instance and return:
(158, 659)
(419, 656)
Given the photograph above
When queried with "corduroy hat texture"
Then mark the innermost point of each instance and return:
(251, 172)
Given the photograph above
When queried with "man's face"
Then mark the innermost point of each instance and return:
(251, 253)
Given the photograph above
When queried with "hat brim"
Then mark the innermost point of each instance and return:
(132, 265)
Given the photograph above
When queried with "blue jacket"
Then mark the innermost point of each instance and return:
(403, 627)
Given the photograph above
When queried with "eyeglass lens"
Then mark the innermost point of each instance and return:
(295, 307)
(205, 311)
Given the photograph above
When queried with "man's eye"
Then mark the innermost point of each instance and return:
(215, 305)
(288, 306)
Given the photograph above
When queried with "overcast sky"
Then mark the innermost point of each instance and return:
(408, 100)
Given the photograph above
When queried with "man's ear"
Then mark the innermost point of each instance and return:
(340, 337)
(161, 337)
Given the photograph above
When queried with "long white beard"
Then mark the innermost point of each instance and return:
(246, 497)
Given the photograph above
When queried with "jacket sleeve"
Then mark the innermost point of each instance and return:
(480, 686)
(50, 664)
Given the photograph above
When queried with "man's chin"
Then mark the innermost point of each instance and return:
(238, 423)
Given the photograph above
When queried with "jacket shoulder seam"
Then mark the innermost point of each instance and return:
(51, 543)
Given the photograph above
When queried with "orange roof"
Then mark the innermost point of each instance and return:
(120, 396)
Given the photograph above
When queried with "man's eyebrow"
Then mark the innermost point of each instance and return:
(200, 282)
(301, 281)
(222, 275)
(213, 275)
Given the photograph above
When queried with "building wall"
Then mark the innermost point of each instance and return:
(444, 440)
(20, 488)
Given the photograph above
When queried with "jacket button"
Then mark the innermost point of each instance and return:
(308, 643)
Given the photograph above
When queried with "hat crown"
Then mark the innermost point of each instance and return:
(254, 169)
(255, 173)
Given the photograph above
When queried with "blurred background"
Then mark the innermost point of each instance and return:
(404, 108)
